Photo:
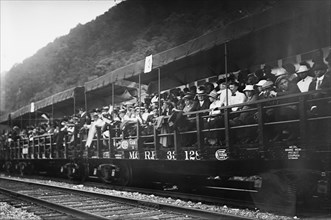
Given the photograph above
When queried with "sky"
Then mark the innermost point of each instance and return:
(27, 25)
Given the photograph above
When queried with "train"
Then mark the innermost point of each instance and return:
(281, 173)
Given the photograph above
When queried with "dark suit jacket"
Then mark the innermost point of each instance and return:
(322, 106)
(205, 105)
(326, 83)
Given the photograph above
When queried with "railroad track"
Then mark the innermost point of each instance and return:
(42, 211)
(90, 205)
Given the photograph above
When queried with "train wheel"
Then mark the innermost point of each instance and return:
(105, 174)
(22, 167)
(124, 175)
(277, 193)
(77, 172)
(70, 172)
(8, 167)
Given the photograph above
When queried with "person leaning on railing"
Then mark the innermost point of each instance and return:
(101, 119)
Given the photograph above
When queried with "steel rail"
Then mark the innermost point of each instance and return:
(63, 209)
(199, 213)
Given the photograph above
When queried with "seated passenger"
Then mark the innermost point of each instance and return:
(320, 82)
(286, 112)
(203, 100)
(190, 104)
(267, 70)
(246, 135)
(291, 72)
(259, 85)
(247, 117)
(215, 119)
(209, 87)
(285, 86)
(268, 92)
(223, 91)
(215, 104)
(235, 97)
(304, 78)
(177, 120)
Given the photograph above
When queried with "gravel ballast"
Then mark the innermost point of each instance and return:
(256, 214)
(9, 212)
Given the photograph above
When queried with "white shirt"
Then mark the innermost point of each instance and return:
(223, 96)
(319, 81)
(145, 116)
(304, 84)
(238, 98)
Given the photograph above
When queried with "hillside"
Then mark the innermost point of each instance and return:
(122, 35)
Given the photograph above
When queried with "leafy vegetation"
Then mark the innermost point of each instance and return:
(122, 35)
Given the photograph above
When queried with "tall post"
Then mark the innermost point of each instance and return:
(52, 110)
(226, 73)
(139, 92)
(113, 95)
(159, 87)
(35, 118)
(29, 118)
(74, 103)
(21, 122)
(85, 98)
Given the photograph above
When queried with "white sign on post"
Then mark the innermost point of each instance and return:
(32, 107)
(148, 64)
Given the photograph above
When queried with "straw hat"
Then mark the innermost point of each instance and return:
(302, 69)
(261, 82)
(267, 84)
(280, 71)
(249, 88)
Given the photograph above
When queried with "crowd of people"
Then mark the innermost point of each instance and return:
(243, 88)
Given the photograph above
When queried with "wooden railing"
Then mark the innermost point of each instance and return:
(302, 123)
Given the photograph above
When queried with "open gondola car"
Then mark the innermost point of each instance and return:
(276, 174)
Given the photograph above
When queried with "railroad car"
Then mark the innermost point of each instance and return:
(278, 161)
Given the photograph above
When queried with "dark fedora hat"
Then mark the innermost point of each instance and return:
(320, 66)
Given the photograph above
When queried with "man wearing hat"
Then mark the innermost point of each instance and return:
(259, 85)
(286, 112)
(247, 117)
(215, 119)
(267, 90)
(190, 104)
(321, 80)
(320, 83)
(203, 100)
(285, 86)
(305, 79)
